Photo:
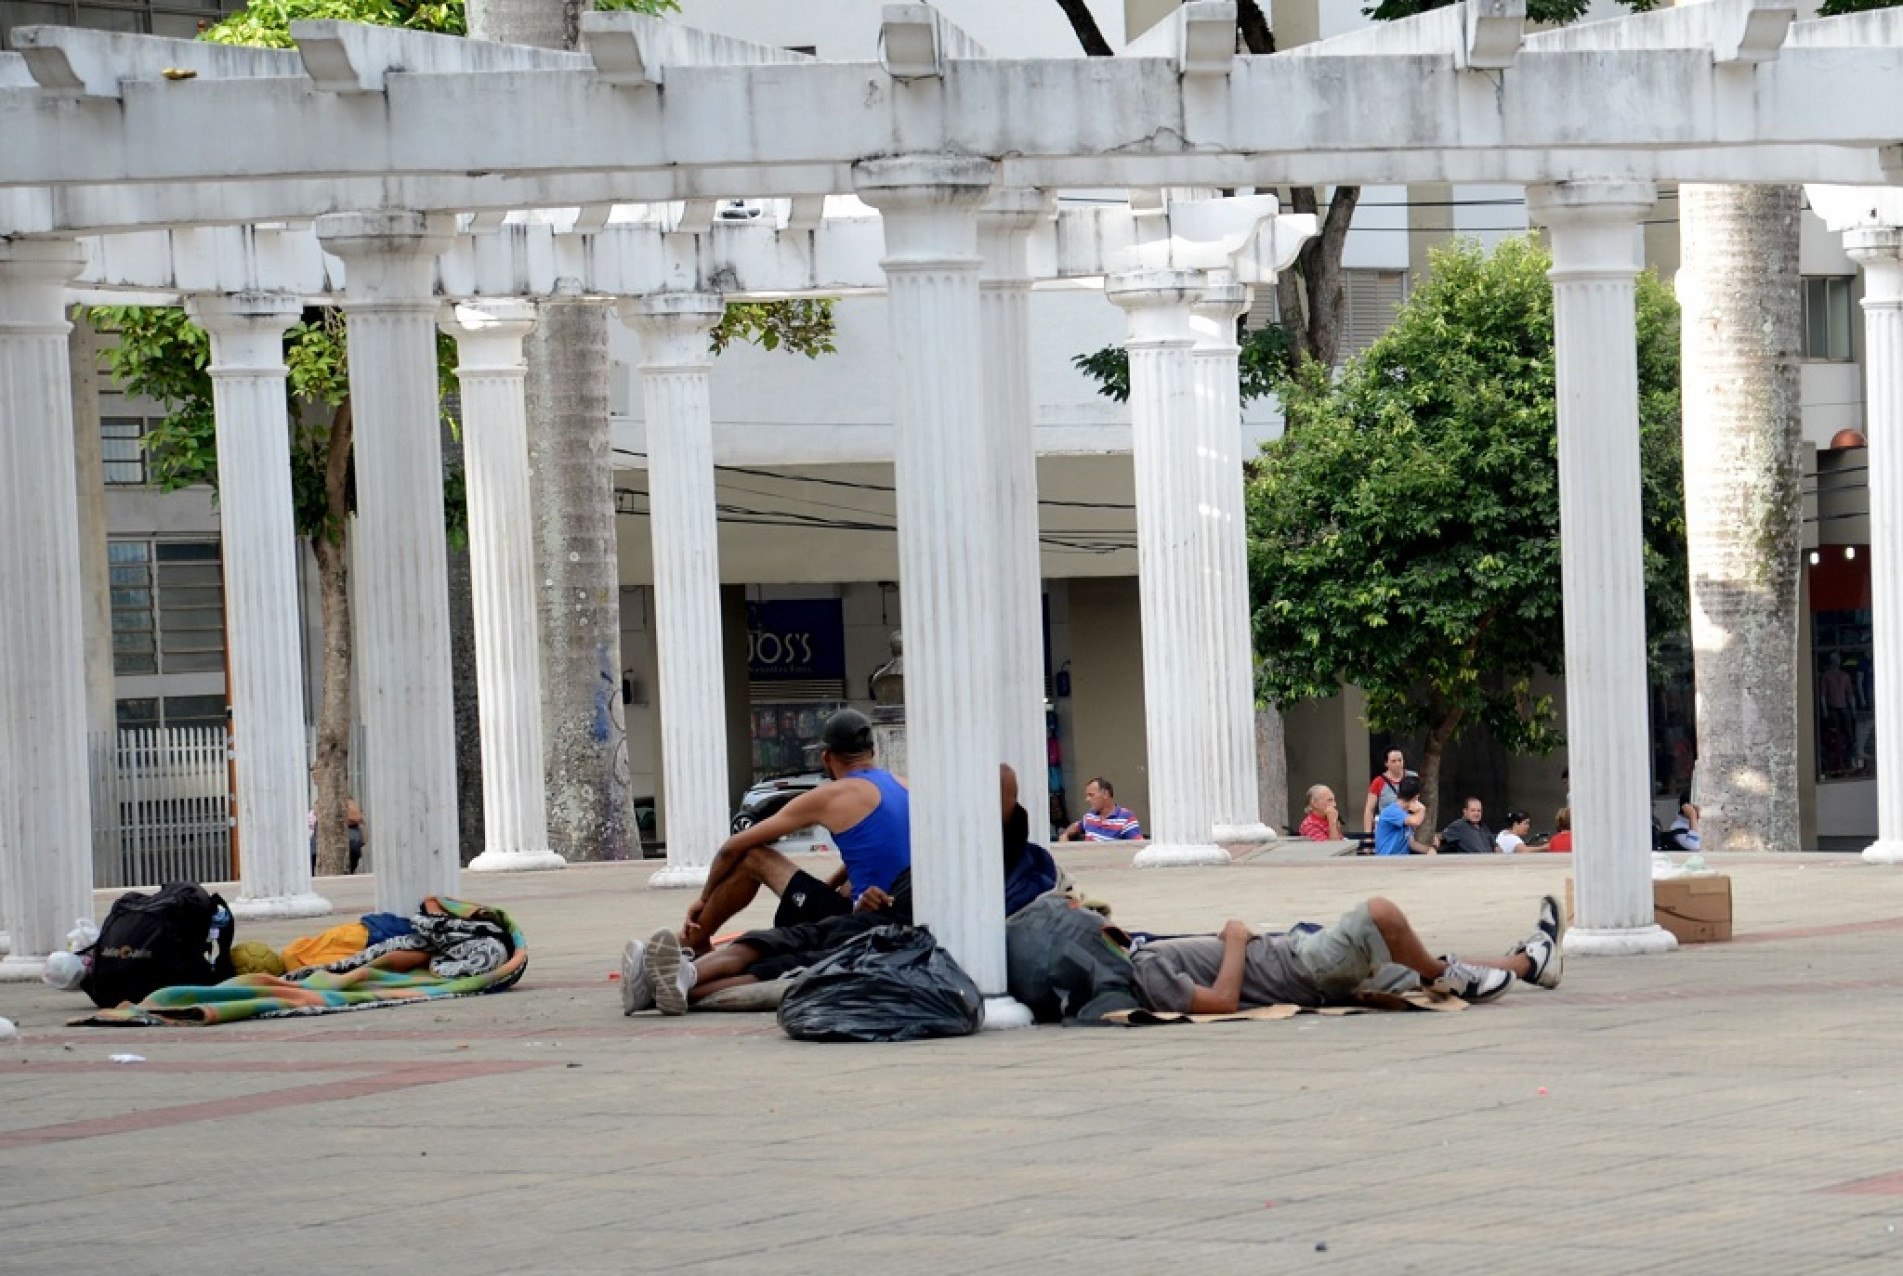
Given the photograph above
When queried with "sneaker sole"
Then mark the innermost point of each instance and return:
(664, 973)
(634, 981)
(1549, 978)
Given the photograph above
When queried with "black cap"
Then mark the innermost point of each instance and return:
(847, 733)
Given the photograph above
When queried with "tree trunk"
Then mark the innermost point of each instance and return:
(1433, 748)
(1738, 286)
(590, 806)
(1271, 767)
(1313, 305)
(1084, 23)
(331, 767)
(462, 663)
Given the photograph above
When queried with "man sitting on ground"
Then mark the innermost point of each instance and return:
(1241, 970)
(1394, 827)
(1323, 821)
(1104, 820)
(658, 974)
(866, 809)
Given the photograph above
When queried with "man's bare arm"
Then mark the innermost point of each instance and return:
(1226, 995)
(806, 809)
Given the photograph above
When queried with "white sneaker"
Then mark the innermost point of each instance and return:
(670, 972)
(636, 996)
(1473, 983)
(1544, 947)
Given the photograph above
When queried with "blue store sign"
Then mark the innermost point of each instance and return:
(796, 641)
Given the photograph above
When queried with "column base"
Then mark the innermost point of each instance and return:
(308, 904)
(1634, 942)
(516, 862)
(1179, 855)
(1002, 1012)
(21, 970)
(1251, 833)
(679, 877)
(1883, 851)
(6, 942)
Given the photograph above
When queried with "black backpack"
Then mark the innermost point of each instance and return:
(180, 935)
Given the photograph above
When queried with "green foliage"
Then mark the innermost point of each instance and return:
(1832, 8)
(266, 24)
(1404, 533)
(161, 354)
(802, 326)
(1263, 362)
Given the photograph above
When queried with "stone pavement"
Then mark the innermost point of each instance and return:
(1728, 1108)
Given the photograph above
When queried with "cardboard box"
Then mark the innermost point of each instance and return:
(1695, 909)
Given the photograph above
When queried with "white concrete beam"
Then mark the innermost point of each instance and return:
(1731, 30)
(14, 73)
(73, 62)
(633, 50)
(351, 57)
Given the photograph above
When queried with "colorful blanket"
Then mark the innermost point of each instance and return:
(459, 950)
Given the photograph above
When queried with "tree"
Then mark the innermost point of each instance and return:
(1404, 532)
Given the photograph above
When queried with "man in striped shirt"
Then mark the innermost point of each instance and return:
(1104, 820)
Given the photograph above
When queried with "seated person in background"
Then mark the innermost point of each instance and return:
(1468, 835)
(1513, 838)
(866, 809)
(1239, 970)
(1394, 827)
(1323, 821)
(1029, 870)
(353, 828)
(1684, 832)
(1104, 820)
(1562, 839)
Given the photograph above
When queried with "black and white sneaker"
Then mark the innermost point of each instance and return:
(636, 995)
(1473, 984)
(1544, 948)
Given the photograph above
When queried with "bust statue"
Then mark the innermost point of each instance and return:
(887, 684)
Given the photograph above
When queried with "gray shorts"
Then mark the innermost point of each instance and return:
(1340, 958)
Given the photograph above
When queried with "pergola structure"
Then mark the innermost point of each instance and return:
(379, 138)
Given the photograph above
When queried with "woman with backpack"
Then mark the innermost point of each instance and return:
(1385, 788)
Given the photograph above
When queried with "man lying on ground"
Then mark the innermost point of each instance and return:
(659, 974)
(1241, 970)
(865, 808)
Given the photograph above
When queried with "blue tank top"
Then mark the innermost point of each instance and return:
(878, 848)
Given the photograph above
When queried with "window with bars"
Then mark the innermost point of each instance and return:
(1827, 315)
(168, 607)
(140, 712)
(180, 19)
(122, 451)
(1374, 298)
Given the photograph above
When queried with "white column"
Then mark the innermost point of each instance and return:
(259, 534)
(45, 815)
(1010, 450)
(401, 582)
(493, 376)
(1177, 715)
(676, 364)
(1596, 256)
(1222, 549)
(1879, 250)
(948, 522)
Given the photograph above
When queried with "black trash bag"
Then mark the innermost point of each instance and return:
(890, 984)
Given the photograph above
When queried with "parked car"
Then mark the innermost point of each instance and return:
(768, 796)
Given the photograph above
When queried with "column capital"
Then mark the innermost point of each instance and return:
(1005, 224)
(33, 277)
(1595, 226)
(673, 327)
(1215, 311)
(240, 313)
(1879, 250)
(489, 335)
(389, 257)
(929, 204)
(1159, 304)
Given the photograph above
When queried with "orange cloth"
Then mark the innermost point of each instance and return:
(333, 945)
(1562, 841)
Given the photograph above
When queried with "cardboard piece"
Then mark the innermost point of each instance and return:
(1695, 909)
(1415, 999)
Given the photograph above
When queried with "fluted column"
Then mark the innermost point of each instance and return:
(493, 374)
(1596, 257)
(45, 815)
(1010, 451)
(676, 364)
(948, 523)
(1177, 716)
(1222, 549)
(1879, 250)
(401, 581)
(259, 534)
